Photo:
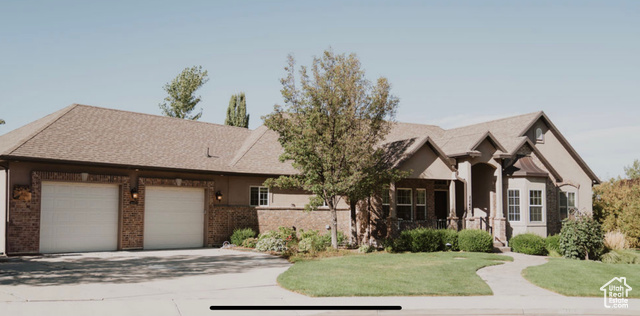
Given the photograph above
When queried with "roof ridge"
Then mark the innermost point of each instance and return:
(160, 116)
(23, 141)
(240, 155)
(493, 121)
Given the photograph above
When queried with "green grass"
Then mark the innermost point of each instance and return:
(385, 274)
(581, 278)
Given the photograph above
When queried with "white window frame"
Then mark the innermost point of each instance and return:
(540, 136)
(541, 206)
(410, 202)
(424, 206)
(566, 207)
(261, 191)
(519, 205)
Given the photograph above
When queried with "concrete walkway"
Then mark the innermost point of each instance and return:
(188, 282)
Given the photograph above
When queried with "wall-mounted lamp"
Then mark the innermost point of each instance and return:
(219, 196)
(134, 196)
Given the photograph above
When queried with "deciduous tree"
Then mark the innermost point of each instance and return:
(181, 100)
(633, 171)
(330, 128)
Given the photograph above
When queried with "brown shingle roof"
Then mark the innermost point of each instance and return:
(81, 133)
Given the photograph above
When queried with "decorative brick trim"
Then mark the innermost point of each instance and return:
(23, 230)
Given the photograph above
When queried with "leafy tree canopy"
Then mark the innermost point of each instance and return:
(1, 121)
(181, 100)
(633, 171)
(237, 111)
(330, 128)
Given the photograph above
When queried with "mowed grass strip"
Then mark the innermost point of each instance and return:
(385, 274)
(581, 278)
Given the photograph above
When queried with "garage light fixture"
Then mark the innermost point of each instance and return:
(219, 196)
(134, 196)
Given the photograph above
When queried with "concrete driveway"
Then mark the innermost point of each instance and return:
(188, 282)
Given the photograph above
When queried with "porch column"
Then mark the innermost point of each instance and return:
(499, 221)
(393, 213)
(453, 219)
(464, 171)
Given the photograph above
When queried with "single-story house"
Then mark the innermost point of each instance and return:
(95, 179)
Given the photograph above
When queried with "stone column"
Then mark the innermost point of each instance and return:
(464, 171)
(499, 222)
(453, 219)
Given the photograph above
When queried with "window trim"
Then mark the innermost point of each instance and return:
(539, 138)
(410, 203)
(566, 206)
(259, 192)
(519, 205)
(541, 206)
(421, 205)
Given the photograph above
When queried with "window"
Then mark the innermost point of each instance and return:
(539, 135)
(385, 202)
(513, 205)
(421, 204)
(535, 206)
(405, 204)
(567, 202)
(259, 196)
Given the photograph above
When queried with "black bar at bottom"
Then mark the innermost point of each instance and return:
(304, 308)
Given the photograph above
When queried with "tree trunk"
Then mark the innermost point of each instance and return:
(354, 223)
(334, 226)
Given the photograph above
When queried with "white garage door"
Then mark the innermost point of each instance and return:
(173, 218)
(78, 217)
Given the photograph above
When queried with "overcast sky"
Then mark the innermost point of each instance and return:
(451, 63)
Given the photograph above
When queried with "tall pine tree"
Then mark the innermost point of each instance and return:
(237, 111)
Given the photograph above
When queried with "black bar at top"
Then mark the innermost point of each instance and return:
(304, 308)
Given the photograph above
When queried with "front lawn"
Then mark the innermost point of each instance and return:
(385, 274)
(581, 278)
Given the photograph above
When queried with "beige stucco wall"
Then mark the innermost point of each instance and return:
(426, 164)
(568, 168)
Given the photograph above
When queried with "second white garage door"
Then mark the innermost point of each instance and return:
(173, 218)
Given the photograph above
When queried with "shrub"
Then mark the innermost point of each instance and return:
(287, 234)
(425, 240)
(341, 238)
(581, 238)
(312, 241)
(271, 244)
(475, 240)
(530, 244)
(402, 243)
(552, 243)
(240, 234)
(250, 242)
(616, 240)
(449, 236)
(366, 249)
(621, 257)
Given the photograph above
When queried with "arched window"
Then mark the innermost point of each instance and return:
(539, 135)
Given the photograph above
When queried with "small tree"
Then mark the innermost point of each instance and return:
(181, 99)
(581, 238)
(237, 111)
(1, 121)
(633, 171)
(330, 127)
(616, 205)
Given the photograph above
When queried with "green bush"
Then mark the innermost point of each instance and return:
(530, 244)
(366, 249)
(425, 240)
(449, 236)
(552, 243)
(250, 242)
(271, 244)
(341, 238)
(475, 240)
(240, 234)
(581, 238)
(621, 257)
